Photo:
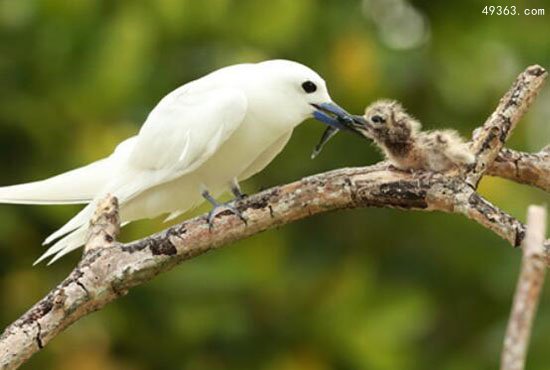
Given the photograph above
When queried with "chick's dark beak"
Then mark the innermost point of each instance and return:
(360, 126)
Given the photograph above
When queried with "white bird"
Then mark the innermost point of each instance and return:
(198, 141)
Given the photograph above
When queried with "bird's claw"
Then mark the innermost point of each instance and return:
(220, 208)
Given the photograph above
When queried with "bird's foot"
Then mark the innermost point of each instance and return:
(219, 208)
(222, 207)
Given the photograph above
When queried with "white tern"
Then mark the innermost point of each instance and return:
(198, 141)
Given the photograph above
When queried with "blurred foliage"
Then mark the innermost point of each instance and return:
(364, 289)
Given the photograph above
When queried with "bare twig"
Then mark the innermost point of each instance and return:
(489, 140)
(531, 278)
(109, 269)
(525, 168)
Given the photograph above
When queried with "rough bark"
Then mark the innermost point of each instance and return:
(109, 269)
(529, 286)
(491, 137)
(525, 168)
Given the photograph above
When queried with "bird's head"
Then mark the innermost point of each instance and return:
(299, 93)
(385, 121)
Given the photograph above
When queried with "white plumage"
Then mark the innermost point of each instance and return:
(223, 127)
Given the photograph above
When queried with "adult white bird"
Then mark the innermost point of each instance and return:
(198, 141)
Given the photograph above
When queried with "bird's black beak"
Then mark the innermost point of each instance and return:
(337, 119)
(332, 115)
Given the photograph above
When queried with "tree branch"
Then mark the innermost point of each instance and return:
(104, 224)
(108, 269)
(490, 139)
(525, 168)
(531, 279)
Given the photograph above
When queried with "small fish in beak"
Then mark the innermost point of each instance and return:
(327, 135)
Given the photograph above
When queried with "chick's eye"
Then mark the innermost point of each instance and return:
(309, 87)
(378, 119)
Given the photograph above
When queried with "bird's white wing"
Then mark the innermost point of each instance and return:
(185, 129)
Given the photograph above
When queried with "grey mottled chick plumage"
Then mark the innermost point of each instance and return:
(406, 146)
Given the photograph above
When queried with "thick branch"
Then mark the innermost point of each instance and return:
(531, 278)
(106, 273)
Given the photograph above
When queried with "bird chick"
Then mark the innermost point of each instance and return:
(406, 146)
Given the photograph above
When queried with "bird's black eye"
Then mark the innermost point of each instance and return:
(377, 119)
(309, 87)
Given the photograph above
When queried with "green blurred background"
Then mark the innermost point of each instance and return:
(372, 289)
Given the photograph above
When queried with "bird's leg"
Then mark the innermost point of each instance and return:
(393, 167)
(410, 171)
(218, 208)
(236, 190)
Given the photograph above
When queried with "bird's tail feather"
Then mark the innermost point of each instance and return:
(73, 187)
(74, 240)
(79, 220)
(73, 234)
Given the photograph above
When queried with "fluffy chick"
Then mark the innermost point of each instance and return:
(406, 146)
